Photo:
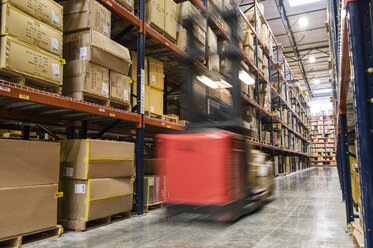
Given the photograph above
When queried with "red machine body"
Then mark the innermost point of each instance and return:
(205, 168)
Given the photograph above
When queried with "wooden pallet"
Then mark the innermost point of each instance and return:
(163, 117)
(153, 206)
(120, 105)
(32, 237)
(161, 31)
(81, 225)
(16, 78)
(357, 234)
(183, 122)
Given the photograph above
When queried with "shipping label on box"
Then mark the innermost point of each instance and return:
(47, 11)
(20, 57)
(20, 25)
(85, 14)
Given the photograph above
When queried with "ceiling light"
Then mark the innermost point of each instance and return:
(303, 22)
(316, 81)
(246, 78)
(312, 59)
(223, 84)
(294, 3)
(208, 82)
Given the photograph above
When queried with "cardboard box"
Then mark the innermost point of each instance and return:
(213, 41)
(120, 87)
(91, 159)
(95, 198)
(32, 62)
(170, 22)
(84, 76)
(134, 68)
(182, 38)
(155, 13)
(128, 4)
(154, 190)
(28, 163)
(85, 14)
(28, 29)
(153, 100)
(27, 209)
(47, 11)
(156, 79)
(214, 61)
(92, 46)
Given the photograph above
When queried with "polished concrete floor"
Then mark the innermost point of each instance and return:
(307, 212)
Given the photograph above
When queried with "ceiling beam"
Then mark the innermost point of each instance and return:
(303, 31)
(307, 44)
(297, 14)
(287, 26)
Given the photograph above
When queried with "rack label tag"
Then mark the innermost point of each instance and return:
(3, 88)
(25, 97)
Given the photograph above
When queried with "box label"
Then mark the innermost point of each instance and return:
(105, 89)
(153, 79)
(54, 45)
(68, 172)
(125, 95)
(56, 70)
(55, 18)
(80, 188)
(83, 52)
(106, 30)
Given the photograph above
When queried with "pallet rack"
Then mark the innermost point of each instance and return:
(323, 140)
(27, 109)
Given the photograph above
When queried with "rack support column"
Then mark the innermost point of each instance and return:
(140, 110)
(361, 44)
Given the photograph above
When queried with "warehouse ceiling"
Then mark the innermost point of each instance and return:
(306, 19)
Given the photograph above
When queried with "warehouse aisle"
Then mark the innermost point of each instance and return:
(307, 212)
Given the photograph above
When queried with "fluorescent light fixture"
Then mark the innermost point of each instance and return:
(294, 3)
(246, 78)
(316, 81)
(303, 22)
(322, 91)
(208, 82)
(312, 59)
(223, 84)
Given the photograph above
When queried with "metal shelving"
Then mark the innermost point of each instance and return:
(78, 118)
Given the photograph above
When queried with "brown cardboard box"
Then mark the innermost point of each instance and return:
(213, 41)
(84, 76)
(134, 68)
(92, 46)
(120, 87)
(16, 23)
(182, 38)
(95, 198)
(153, 100)
(28, 163)
(156, 79)
(47, 11)
(129, 4)
(155, 13)
(90, 159)
(27, 209)
(214, 61)
(170, 22)
(85, 14)
(32, 62)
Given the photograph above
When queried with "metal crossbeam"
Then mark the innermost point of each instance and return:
(285, 21)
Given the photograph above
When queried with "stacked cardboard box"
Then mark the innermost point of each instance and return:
(31, 42)
(154, 84)
(97, 179)
(213, 51)
(287, 164)
(162, 15)
(260, 173)
(248, 45)
(265, 96)
(97, 66)
(28, 186)
(184, 11)
(154, 190)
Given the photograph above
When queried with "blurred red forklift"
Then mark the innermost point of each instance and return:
(211, 171)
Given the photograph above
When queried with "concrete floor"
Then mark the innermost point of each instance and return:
(307, 212)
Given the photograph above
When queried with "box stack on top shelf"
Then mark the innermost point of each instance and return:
(323, 140)
(97, 67)
(31, 44)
